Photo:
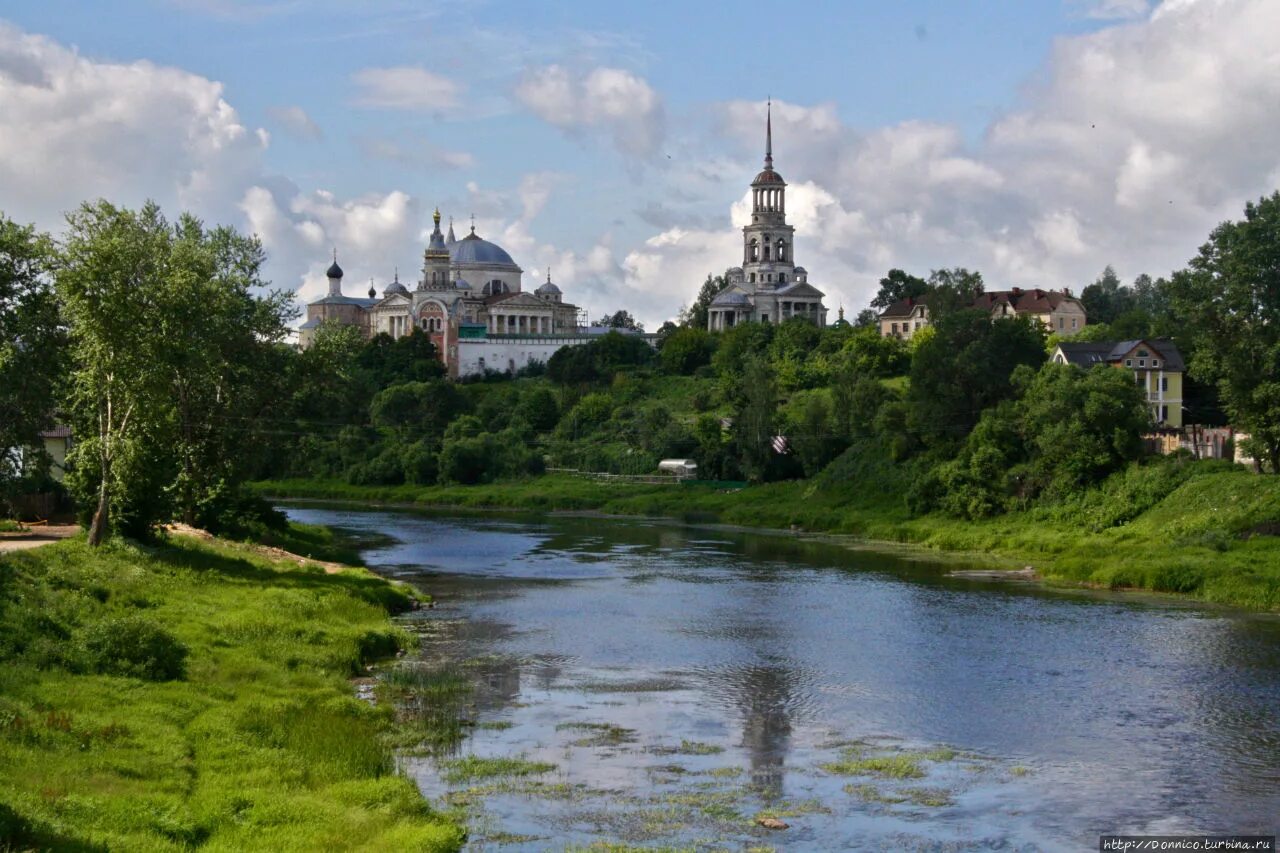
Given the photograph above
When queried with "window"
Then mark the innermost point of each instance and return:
(1142, 362)
(1164, 383)
(766, 251)
(1059, 359)
(782, 250)
(1155, 362)
(1164, 413)
(753, 252)
(1128, 362)
(1062, 323)
(1074, 321)
(1143, 353)
(782, 277)
(918, 325)
(895, 328)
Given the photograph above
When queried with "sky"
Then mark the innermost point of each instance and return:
(1035, 141)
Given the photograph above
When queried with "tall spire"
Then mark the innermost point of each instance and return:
(768, 135)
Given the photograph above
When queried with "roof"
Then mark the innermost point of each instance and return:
(769, 177)
(363, 302)
(1034, 301)
(471, 249)
(1087, 354)
(334, 270)
(733, 297)
(548, 287)
(799, 288)
(901, 308)
(56, 432)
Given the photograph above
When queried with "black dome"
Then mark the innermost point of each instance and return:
(335, 271)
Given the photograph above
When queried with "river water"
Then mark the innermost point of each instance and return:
(679, 682)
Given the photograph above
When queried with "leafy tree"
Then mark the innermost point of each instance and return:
(599, 359)
(687, 349)
(1230, 294)
(410, 358)
(894, 286)
(175, 359)
(965, 367)
(755, 400)
(423, 409)
(1079, 426)
(696, 314)
(952, 290)
(867, 319)
(620, 319)
(539, 409)
(736, 344)
(32, 343)
(1106, 299)
(868, 353)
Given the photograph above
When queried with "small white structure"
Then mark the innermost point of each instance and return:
(684, 469)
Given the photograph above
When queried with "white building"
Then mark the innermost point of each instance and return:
(768, 287)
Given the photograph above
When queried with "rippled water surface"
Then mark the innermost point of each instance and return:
(677, 683)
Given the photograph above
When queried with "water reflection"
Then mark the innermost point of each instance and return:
(1128, 714)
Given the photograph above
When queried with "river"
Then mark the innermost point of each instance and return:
(677, 682)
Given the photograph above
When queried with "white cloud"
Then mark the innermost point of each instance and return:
(295, 121)
(611, 100)
(405, 87)
(76, 129)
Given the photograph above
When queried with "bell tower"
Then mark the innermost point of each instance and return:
(767, 242)
(435, 261)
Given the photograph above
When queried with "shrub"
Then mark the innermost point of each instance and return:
(135, 647)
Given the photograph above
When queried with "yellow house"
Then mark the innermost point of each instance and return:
(57, 443)
(1157, 367)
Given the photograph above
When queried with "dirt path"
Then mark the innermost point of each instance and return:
(179, 529)
(36, 536)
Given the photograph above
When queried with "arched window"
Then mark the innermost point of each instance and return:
(495, 287)
(766, 251)
(782, 277)
(782, 250)
(753, 252)
(753, 278)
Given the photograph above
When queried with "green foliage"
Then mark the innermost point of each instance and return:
(175, 357)
(539, 409)
(965, 367)
(696, 315)
(133, 646)
(687, 349)
(599, 359)
(1230, 296)
(867, 353)
(897, 285)
(32, 351)
(261, 746)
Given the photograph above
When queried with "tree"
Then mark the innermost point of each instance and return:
(755, 400)
(868, 353)
(687, 349)
(965, 367)
(1079, 426)
(1106, 299)
(696, 314)
(897, 285)
(620, 319)
(32, 343)
(952, 290)
(866, 318)
(175, 356)
(1229, 296)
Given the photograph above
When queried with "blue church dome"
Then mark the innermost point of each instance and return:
(474, 250)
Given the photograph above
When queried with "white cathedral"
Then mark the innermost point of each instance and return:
(470, 301)
(768, 287)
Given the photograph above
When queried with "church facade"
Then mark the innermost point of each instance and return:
(469, 301)
(768, 287)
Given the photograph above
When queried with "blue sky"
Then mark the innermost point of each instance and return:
(1030, 140)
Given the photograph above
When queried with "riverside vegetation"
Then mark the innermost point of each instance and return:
(195, 693)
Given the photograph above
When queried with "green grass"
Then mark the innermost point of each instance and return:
(1180, 533)
(257, 744)
(888, 766)
(473, 767)
(8, 525)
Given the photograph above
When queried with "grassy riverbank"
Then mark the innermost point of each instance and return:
(1183, 530)
(196, 694)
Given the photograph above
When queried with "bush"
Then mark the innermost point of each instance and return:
(135, 647)
(421, 464)
(686, 350)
